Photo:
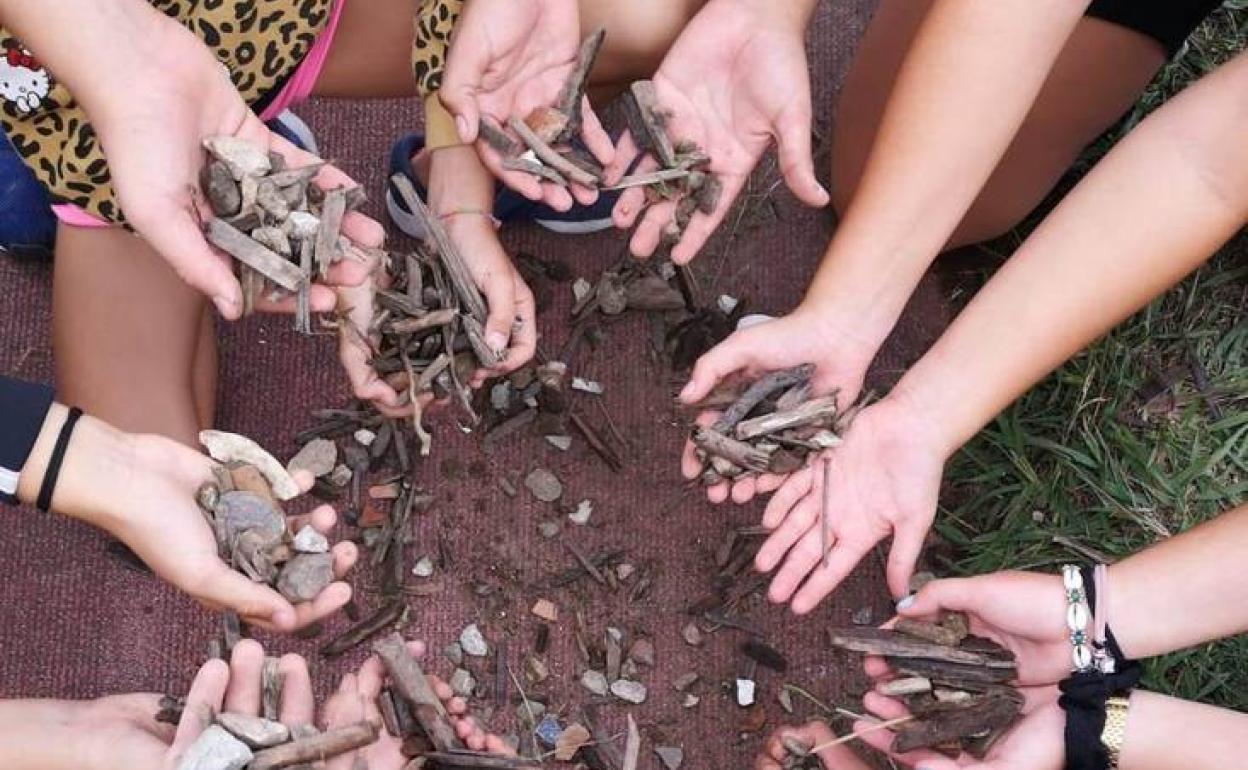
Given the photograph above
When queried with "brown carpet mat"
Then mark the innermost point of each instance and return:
(76, 623)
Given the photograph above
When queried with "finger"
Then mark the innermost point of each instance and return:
(882, 740)
(713, 366)
(596, 139)
(223, 587)
(298, 705)
(794, 489)
(526, 184)
(363, 230)
(718, 493)
(322, 518)
(584, 196)
(649, 234)
(177, 237)
(345, 706)
(875, 667)
(499, 288)
(841, 562)
(796, 160)
(797, 522)
(958, 594)
(203, 701)
(904, 554)
(466, 64)
(744, 490)
(883, 706)
(625, 154)
(246, 666)
(321, 299)
(632, 201)
(769, 482)
(557, 197)
(702, 226)
(524, 332)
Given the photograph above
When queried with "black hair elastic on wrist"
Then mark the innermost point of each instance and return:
(1084, 696)
(44, 501)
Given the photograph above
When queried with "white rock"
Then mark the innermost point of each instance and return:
(216, 749)
(626, 690)
(462, 683)
(595, 682)
(745, 692)
(473, 642)
(582, 513)
(365, 437)
(754, 319)
(587, 386)
(691, 700)
(230, 447)
(581, 289)
(625, 571)
(310, 541)
(423, 568)
(727, 303)
(317, 457)
(341, 476)
(256, 732)
(243, 158)
(562, 443)
(671, 756)
(302, 224)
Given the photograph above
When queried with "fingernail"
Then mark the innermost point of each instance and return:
(905, 602)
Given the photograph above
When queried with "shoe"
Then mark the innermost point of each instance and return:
(27, 224)
(509, 206)
(291, 127)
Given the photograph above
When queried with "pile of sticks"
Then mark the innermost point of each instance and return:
(281, 229)
(955, 685)
(772, 427)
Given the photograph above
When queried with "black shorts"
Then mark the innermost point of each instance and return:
(1169, 22)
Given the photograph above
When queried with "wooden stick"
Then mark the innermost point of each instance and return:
(539, 170)
(420, 323)
(572, 97)
(374, 624)
(498, 139)
(316, 748)
(332, 212)
(956, 722)
(652, 178)
(739, 453)
(813, 412)
(264, 261)
(876, 641)
(632, 749)
(654, 121)
(550, 157)
(410, 682)
(858, 735)
(754, 395)
(825, 515)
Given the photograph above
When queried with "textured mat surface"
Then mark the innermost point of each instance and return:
(75, 623)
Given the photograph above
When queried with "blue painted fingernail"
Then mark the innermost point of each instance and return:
(905, 602)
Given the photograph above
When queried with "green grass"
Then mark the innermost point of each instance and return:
(1079, 466)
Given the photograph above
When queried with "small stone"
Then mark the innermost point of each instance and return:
(546, 610)
(727, 303)
(562, 443)
(690, 700)
(256, 732)
(454, 653)
(581, 289)
(302, 224)
(248, 478)
(473, 642)
(536, 669)
(318, 457)
(208, 495)
(692, 634)
(685, 681)
(745, 692)
(862, 617)
(310, 541)
(500, 396)
(423, 568)
(642, 652)
(530, 713)
(243, 158)
(595, 682)
(462, 683)
(786, 700)
(241, 511)
(671, 756)
(570, 741)
(549, 529)
(216, 749)
(629, 669)
(304, 577)
(549, 730)
(365, 437)
(587, 386)
(584, 510)
(1037, 516)
(626, 690)
(625, 571)
(341, 476)
(920, 579)
(544, 485)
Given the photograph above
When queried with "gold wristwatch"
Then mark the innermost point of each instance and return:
(1115, 730)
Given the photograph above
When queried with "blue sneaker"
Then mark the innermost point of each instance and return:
(27, 224)
(509, 206)
(291, 127)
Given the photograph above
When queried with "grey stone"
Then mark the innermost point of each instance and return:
(595, 682)
(862, 617)
(310, 541)
(215, 749)
(581, 289)
(544, 485)
(365, 437)
(473, 642)
(454, 653)
(627, 690)
(240, 511)
(549, 529)
(583, 511)
(341, 476)
(625, 571)
(256, 732)
(423, 568)
(672, 757)
(685, 681)
(305, 576)
(562, 443)
(462, 683)
(318, 457)
(500, 396)
(692, 634)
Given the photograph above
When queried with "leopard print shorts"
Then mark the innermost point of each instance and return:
(260, 42)
(435, 21)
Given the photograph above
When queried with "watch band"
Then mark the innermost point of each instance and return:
(1115, 731)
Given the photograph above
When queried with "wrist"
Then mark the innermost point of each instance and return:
(920, 422)
(97, 460)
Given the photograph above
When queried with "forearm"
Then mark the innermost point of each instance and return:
(459, 181)
(797, 12)
(1183, 591)
(1164, 733)
(964, 89)
(1158, 206)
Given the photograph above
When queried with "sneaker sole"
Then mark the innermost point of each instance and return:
(302, 131)
(412, 226)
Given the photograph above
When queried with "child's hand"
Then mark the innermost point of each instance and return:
(356, 345)
(805, 336)
(509, 57)
(810, 735)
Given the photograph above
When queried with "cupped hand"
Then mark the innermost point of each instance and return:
(153, 136)
(507, 58)
(805, 336)
(811, 735)
(356, 700)
(150, 506)
(885, 477)
(735, 78)
(1035, 742)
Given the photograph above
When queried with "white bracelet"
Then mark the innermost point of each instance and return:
(1078, 615)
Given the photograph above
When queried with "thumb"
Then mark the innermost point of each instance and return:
(179, 240)
(956, 594)
(500, 296)
(466, 63)
(902, 556)
(253, 601)
(716, 364)
(796, 161)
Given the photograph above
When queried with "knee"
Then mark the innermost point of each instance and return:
(643, 38)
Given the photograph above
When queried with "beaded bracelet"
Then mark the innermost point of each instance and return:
(1078, 614)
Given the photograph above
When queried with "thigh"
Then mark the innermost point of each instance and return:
(124, 333)
(1097, 77)
(371, 53)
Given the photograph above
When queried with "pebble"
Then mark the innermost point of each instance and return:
(216, 749)
(500, 396)
(341, 476)
(365, 437)
(256, 732)
(536, 669)
(745, 692)
(549, 529)
(562, 443)
(530, 712)
(595, 682)
(625, 571)
(473, 642)
(318, 457)
(642, 652)
(310, 541)
(570, 741)
(671, 756)
(587, 386)
(544, 485)
(302, 224)
(627, 690)
(786, 700)
(581, 289)
(245, 510)
(691, 700)
(727, 303)
(305, 576)
(685, 681)
(692, 634)
(423, 568)
(862, 617)
(584, 510)
(454, 653)
(546, 610)
(462, 683)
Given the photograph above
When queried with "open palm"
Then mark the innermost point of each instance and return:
(734, 79)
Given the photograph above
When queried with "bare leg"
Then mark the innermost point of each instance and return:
(1098, 76)
(204, 370)
(125, 330)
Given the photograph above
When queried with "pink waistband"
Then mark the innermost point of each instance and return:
(296, 91)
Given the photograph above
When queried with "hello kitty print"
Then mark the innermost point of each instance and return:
(23, 83)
